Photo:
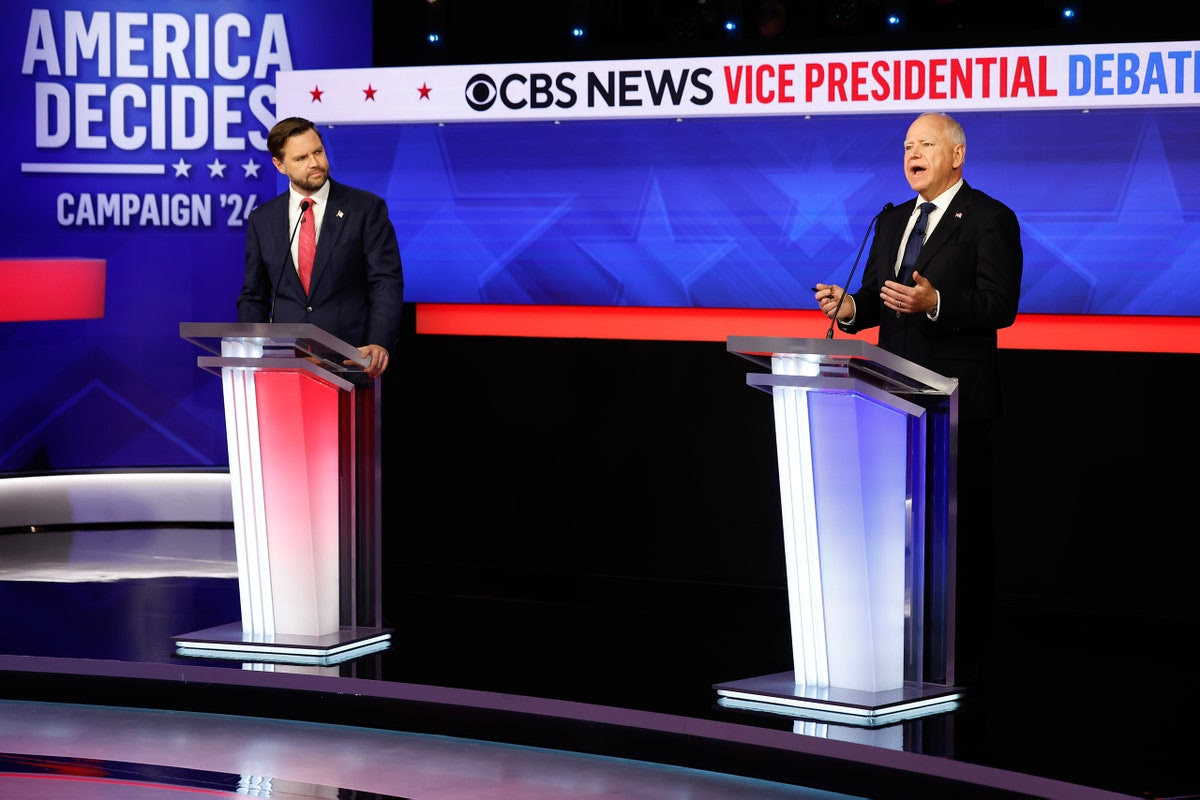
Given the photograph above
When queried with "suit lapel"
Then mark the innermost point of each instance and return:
(890, 239)
(331, 229)
(281, 224)
(947, 226)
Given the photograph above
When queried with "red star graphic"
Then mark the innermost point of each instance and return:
(316, 93)
(424, 90)
(369, 92)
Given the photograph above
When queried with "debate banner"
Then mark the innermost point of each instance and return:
(137, 147)
(691, 197)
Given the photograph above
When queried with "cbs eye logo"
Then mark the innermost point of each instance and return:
(481, 92)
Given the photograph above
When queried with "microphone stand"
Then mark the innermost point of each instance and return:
(304, 206)
(850, 277)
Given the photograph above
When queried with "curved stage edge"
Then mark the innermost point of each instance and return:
(782, 756)
(94, 589)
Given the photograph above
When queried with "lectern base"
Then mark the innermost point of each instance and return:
(231, 642)
(780, 694)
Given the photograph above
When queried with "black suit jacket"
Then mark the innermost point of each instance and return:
(974, 259)
(357, 287)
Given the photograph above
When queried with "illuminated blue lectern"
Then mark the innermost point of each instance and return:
(867, 471)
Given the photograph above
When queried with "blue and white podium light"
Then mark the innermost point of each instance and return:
(865, 443)
(839, 572)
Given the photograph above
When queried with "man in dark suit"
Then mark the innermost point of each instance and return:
(355, 284)
(942, 312)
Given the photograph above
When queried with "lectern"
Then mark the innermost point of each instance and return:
(867, 452)
(302, 424)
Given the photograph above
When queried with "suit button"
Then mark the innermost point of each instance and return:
(897, 314)
(309, 310)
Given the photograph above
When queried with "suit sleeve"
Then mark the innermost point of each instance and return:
(385, 277)
(991, 303)
(254, 301)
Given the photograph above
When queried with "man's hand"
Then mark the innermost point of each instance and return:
(921, 298)
(377, 357)
(829, 297)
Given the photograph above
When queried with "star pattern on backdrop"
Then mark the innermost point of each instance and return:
(669, 263)
(757, 235)
(182, 168)
(818, 192)
(369, 92)
(316, 94)
(1092, 262)
(216, 169)
(491, 230)
(250, 169)
(423, 91)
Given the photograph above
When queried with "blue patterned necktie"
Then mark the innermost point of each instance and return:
(913, 247)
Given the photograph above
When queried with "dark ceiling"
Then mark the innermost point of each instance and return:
(506, 31)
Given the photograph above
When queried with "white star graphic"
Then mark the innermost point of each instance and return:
(182, 168)
(216, 169)
(251, 169)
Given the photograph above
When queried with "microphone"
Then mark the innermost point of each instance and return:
(304, 206)
(833, 322)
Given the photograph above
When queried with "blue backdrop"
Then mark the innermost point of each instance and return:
(135, 135)
(750, 212)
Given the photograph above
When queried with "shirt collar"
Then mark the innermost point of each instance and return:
(321, 196)
(942, 201)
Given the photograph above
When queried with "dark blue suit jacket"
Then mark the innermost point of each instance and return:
(974, 259)
(357, 287)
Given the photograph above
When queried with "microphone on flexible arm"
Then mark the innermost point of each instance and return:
(304, 206)
(833, 322)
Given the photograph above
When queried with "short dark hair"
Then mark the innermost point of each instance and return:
(286, 129)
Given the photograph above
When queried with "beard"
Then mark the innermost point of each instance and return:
(312, 182)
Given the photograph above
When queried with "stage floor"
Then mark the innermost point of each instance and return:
(481, 697)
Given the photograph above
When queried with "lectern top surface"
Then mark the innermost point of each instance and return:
(278, 340)
(848, 357)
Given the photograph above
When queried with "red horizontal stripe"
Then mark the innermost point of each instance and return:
(1101, 332)
(1031, 331)
(51, 288)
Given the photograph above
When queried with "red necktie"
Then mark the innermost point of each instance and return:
(308, 244)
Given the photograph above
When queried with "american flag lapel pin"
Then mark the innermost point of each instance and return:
(340, 214)
(956, 216)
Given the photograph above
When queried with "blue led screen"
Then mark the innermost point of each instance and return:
(750, 212)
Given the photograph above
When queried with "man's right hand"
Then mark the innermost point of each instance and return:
(828, 296)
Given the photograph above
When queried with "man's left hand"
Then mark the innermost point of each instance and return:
(377, 359)
(921, 298)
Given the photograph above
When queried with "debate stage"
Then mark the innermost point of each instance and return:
(481, 696)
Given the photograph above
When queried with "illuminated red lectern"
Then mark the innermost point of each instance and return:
(302, 423)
